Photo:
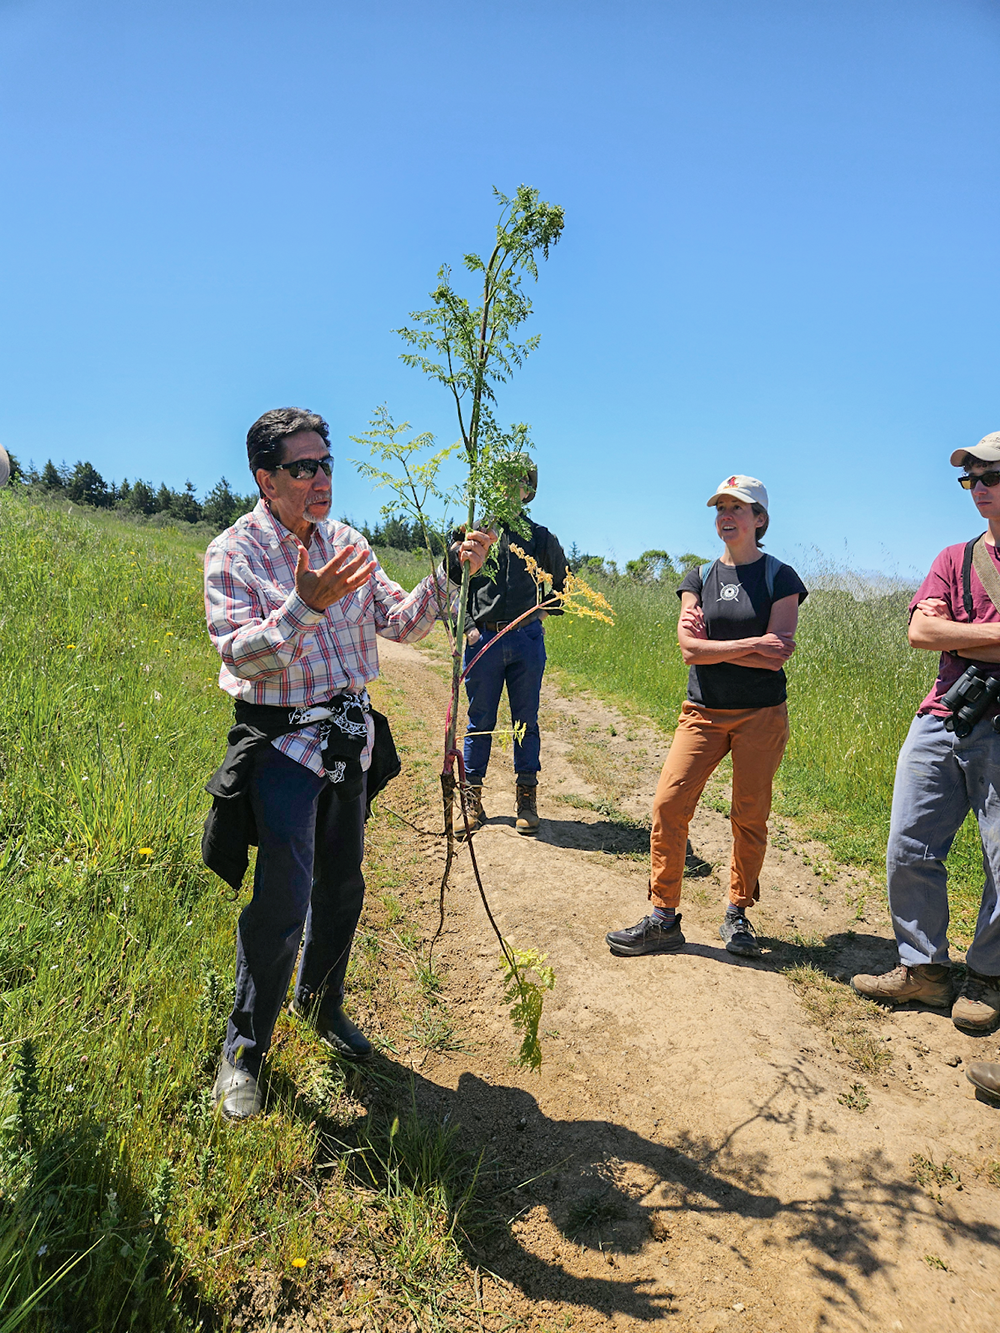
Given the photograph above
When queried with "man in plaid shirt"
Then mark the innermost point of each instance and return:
(294, 602)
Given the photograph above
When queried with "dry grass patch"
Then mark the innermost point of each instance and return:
(851, 1022)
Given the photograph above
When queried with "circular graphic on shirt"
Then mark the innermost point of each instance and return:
(729, 592)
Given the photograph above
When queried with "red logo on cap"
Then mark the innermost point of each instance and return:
(731, 481)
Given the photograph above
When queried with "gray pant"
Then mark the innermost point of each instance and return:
(939, 779)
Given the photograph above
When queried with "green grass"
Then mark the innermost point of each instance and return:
(116, 956)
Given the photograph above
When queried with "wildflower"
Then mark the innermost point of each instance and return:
(69, 1087)
(577, 598)
(298, 1263)
(71, 645)
(42, 1249)
(145, 851)
(170, 634)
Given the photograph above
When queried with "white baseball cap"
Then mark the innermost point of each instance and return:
(748, 489)
(987, 451)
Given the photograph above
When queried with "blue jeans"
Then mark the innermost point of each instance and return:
(308, 878)
(518, 661)
(939, 779)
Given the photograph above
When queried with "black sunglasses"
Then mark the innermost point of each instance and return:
(306, 467)
(967, 482)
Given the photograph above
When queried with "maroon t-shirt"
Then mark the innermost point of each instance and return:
(945, 581)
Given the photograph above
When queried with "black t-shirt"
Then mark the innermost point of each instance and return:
(736, 605)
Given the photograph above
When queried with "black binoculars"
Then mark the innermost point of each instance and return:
(969, 698)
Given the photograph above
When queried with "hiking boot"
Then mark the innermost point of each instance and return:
(738, 936)
(527, 810)
(927, 983)
(474, 809)
(985, 1077)
(649, 936)
(977, 1007)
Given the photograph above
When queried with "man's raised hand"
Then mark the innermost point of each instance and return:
(347, 571)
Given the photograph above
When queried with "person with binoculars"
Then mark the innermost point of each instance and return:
(948, 766)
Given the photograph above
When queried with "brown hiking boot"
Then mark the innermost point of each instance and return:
(985, 1077)
(527, 810)
(473, 792)
(927, 983)
(978, 1005)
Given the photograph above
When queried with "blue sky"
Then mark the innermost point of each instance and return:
(780, 253)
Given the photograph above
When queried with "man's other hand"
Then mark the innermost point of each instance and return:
(349, 570)
(474, 549)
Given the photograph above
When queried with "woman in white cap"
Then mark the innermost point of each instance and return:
(736, 631)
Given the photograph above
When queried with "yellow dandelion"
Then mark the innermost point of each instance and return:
(71, 645)
(298, 1263)
(170, 634)
(145, 851)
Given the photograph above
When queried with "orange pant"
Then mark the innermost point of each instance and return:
(757, 738)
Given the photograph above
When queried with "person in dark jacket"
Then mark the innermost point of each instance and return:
(516, 660)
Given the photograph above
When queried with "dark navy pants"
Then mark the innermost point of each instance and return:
(308, 878)
(517, 660)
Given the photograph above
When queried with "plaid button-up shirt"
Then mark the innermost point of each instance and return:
(275, 648)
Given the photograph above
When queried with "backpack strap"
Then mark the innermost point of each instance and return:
(967, 574)
(986, 568)
(706, 569)
(771, 566)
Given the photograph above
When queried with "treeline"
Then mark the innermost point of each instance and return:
(650, 567)
(653, 567)
(84, 485)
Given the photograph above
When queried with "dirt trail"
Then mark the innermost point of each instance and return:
(701, 1151)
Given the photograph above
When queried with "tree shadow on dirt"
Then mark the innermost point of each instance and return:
(594, 1187)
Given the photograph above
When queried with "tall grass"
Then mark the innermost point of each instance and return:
(124, 1203)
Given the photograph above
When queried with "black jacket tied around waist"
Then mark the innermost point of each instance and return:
(230, 828)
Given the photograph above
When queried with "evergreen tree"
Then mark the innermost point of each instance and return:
(51, 479)
(87, 486)
(142, 498)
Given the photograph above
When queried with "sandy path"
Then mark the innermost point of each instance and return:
(697, 1147)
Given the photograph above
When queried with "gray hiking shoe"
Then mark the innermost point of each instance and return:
(738, 936)
(649, 936)
(926, 983)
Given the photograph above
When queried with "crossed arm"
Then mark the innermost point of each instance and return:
(932, 627)
(770, 651)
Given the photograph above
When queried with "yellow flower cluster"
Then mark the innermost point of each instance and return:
(577, 598)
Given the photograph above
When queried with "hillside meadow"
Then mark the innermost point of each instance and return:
(124, 1204)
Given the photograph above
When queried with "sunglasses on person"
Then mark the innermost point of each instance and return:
(991, 478)
(306, 467)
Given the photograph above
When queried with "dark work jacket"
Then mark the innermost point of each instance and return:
(230, 828)
(512, 591)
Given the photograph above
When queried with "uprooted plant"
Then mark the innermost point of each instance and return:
(470, 348)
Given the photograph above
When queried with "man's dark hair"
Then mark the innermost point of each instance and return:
(266, 437)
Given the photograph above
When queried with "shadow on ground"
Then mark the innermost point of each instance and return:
(606, 1189)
